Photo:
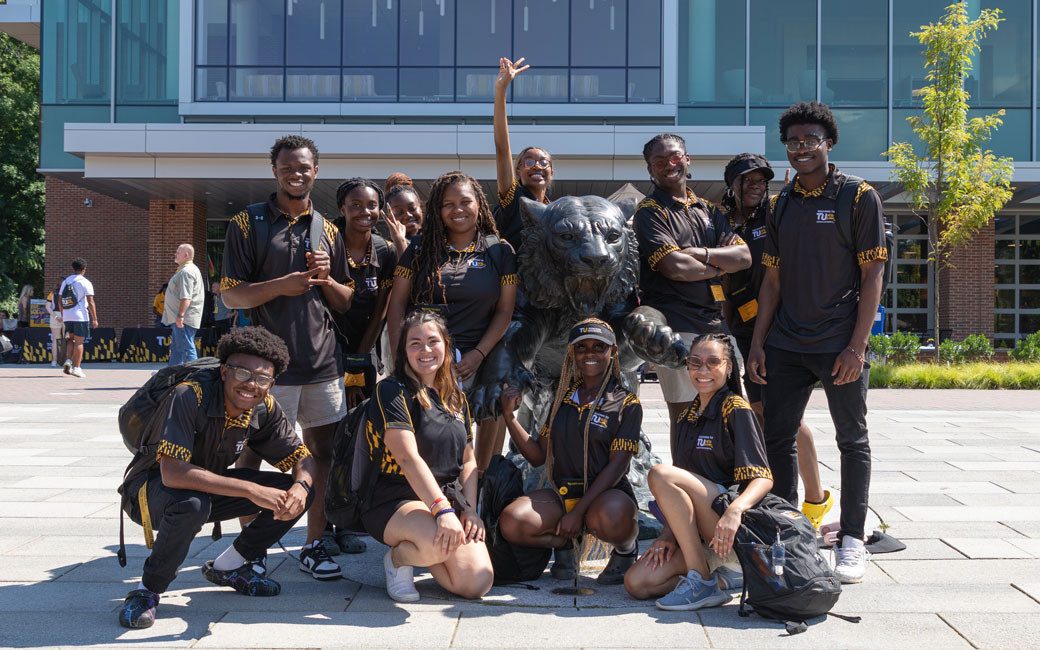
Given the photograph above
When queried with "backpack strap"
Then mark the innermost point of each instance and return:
(781, 203)
(845, 204)
(260, 225)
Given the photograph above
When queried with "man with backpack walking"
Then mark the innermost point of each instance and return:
(79, 314)
(825, 256)
(182, 306)
(181, 477)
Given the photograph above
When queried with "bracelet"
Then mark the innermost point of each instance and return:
(482, 355)
(305, 486)
(861, 359)
(707, 255)
(443, 511)
(433, 505)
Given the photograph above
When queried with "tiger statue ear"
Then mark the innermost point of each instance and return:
(531, 212)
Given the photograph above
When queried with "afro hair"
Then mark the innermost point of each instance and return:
(255, 341)
(809, 113)
(292, 143)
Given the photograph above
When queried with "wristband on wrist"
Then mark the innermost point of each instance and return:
(482, 355)
(443, 511)
(305, 485)
(853, 351)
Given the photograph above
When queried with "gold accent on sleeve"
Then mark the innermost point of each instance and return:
(660, 254)
(196, 388)
(331, 231)
(860, 191)
(287, 463)
(545, 432)
(242, 221)
(770, 261)
(228, 283)
(772, 201)
(733, 403)
(167, 448)
(510, 195)
(649, 202)
(878, 253)
(509, 280)
(630, 399)
(621, 444)
(386, 284)
(404, 273)
(742, 474)
(269, 401)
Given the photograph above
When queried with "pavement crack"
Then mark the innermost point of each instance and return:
(1027, 594)
(956, 631)
(955, 548)
(455, 631)
(209, 629)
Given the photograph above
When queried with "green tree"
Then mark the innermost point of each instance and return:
(956, 181)
(21, 188)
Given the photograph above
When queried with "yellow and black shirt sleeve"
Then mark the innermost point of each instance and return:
(177, 439)
(868, 220)
(626, 438)
(506, 199)
(507, 261)
(653, 234)
(404, 268)
(238, 265)
(387, 410)
(339, 266)
(276, 440)
(771, 252)
(387, 267)
(749, 447)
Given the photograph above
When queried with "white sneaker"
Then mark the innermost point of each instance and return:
(77, 372)
(852, 560)
(67, 367)
(400, 582)
(54, 364)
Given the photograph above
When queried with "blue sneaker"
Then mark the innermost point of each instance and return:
(729, 578)
(139, 609)
(693, 592)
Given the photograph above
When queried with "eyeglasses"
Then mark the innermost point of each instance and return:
(696, 363)
(674, 159)
(245, 376)
(809, 144)
(544, 163)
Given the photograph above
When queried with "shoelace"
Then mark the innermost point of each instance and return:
(848, 556)
(319, 554)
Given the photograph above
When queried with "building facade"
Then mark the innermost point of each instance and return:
(157, 116)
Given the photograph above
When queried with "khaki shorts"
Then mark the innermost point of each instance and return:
(676, 386)
(312, 405)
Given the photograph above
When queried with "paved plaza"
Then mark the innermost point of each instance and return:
(956, 476)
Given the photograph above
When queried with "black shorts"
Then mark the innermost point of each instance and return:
(390, 495)
(78, 328)
(753, 390)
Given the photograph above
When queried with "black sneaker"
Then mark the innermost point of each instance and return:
(244, 580)
(316, 561)
(565, 563)
(139, 609)
(614, 572)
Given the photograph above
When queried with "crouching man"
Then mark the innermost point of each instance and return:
(207, 422)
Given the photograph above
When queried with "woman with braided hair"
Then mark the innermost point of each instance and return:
(719, 443)
(587, 443)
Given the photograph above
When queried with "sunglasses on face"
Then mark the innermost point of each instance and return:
(696, 363)
(808, 144)
(544, 163)
(244, 376)
(672, 160)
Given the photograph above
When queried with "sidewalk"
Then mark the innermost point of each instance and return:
(956, 476)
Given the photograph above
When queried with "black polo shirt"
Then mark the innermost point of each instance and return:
(372, 273)
(302, 321)
(819, 274)
(507, 214)
(664, 225)
(724, 444)
(744, 285)
(441, 436)
(471, 282)
(615, 427)
(212, 440)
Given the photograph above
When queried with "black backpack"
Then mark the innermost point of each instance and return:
(68, 296)
(502, 484)
(843, 214)
(807, 587)
(354, 471)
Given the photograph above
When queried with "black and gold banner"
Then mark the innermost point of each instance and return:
(152, 344)
(35, 343)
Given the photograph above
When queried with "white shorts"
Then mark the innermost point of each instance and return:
(312, 405)
(676, 386)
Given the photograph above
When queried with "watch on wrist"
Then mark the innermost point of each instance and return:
(306, 486)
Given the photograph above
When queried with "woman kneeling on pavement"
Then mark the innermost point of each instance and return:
(718, 443)
(588, 441)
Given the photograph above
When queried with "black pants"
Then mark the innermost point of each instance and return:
(791, 377)
(178, 515)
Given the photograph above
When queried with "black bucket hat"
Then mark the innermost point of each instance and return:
(745, 163)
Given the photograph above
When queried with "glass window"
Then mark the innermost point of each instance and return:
(1029, 249)
(861, 134)
(644, 85)
(475, 84)
(313, 28)
(541, 85)
(211, 85)
(910, 248)
(1004, 323)
(1029, 274)
(427, 85)
(912, 322)
(770, 118)
(1004, 225)
(711, 58)
(211, 30)
(1029, 225)
(370, 84)
(256, 84)
(147, 52)
(1028, 323)
(598, 33)
(712, 116)
(1011, 138)
(912, 298)
(1004, 274)
(783, 52)
(312, 84)
(540, 33)
(1004, 249)
(486, 26)
(644, 32)
(1029, 299)
(854, 54)
(370, 34)
(911, 224)
(427, 36)
(257, 33)
(911, 273)
(1004, 299)
(1000, 78)
(907, 58)
(77, 41)
(604, 85)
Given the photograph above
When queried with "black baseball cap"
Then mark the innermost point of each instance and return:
(744, 163)
(595, 331)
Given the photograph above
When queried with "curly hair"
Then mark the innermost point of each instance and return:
(351, 184)
(648, 148)
(428, 258)
(445, 382)
(809, 113)
(79, 264)
(729, 199)
(733, 377)
(257, 342)
(292, 143)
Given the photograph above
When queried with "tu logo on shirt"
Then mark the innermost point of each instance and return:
(825, 216)
(477, 263)
(239, 446)
(599, 420)
(371, 283)
(758, 233)
(705, 442)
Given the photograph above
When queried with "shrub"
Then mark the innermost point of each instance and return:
(1011, 375)
(952, 352)
(880, 347)
(905, 347)
(1027, 349)
(977, 348)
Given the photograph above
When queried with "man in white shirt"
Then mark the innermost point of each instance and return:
(182, 310)
(79, 314)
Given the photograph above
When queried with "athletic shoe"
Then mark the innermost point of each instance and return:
(316, 561)
(349, 542)
(328, 540)
(691, 593)
(400, 581)
(244, 580)
(138, 609)
(54, 364)
(78, 372)
(816, 511)
(565, 563)
(614, 572)
(852, 560)
(67, 367)
(729, 578)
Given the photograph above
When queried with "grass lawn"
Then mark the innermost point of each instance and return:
(1011, 375)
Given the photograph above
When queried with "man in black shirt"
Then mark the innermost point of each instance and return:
(291, 283)
(815, 309)
(208, 421)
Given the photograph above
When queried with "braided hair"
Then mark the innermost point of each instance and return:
(733, 377)
(432, 242)
(351, 184)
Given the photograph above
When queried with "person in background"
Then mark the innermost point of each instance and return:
(222, 316)
(57, 327)
(159, 303)
(403, 215)
(80, 318)
(24, 302)
(182, 306)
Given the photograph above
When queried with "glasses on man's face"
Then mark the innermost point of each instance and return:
(674, 159)
(544, 163)
(696, 363)
(808, 144)
(245, 375)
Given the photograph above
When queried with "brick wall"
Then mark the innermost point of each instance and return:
(170, 224)
(966, 290)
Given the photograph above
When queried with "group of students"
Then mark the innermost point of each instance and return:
(445, 287)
